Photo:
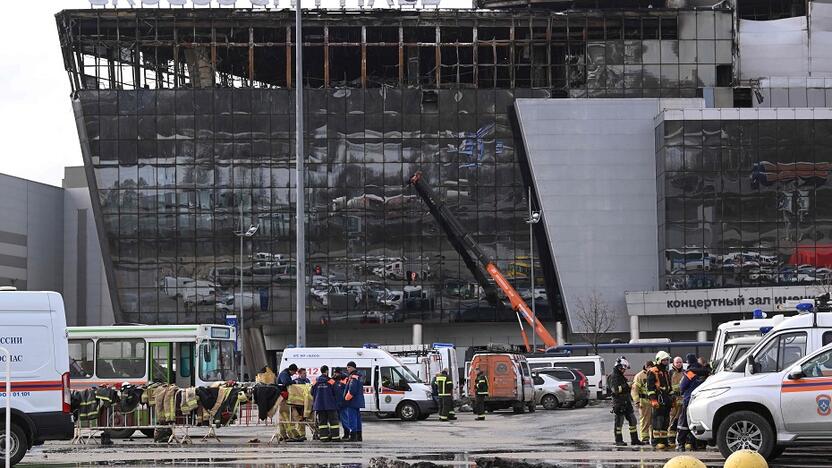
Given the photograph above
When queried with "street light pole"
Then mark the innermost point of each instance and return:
(241, 335)
(534, 218)
(300, 215)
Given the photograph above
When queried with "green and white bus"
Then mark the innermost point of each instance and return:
(185, 355)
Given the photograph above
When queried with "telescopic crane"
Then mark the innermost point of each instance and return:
(465, 245)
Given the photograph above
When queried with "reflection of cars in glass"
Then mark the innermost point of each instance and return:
(552, 393)
(225, 276)
(227, 304)
(198, 292)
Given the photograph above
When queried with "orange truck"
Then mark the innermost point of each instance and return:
(509, 381)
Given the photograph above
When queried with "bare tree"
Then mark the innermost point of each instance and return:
(595, 318)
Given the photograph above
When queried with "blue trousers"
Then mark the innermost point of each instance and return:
(344, 417)
(353, 419)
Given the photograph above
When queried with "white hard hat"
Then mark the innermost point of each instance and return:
(661, 356)
(622, 362)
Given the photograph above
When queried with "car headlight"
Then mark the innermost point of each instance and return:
(710, 393)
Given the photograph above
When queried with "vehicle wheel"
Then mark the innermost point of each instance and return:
(549, 402)
(19, 444)
(518, 408)
(147, 432)
(745, 430)
(532, 407)
(581, 403)
(121, 433)
(408, 411)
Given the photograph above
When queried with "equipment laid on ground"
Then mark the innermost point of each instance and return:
(465, 245)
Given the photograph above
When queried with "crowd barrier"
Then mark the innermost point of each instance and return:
(144, 418)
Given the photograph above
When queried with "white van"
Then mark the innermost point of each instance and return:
(34, 332)
(756, 327)
(591, 366)
(389, 386)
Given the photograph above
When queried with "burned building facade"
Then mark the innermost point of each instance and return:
(186, 122)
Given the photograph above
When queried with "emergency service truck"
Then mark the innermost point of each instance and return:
(34, 332)
(389, 386)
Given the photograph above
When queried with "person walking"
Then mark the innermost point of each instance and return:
(287, 430)
(354, 401)
(325, 406)
(622, 403)
(638, 393)
(677, 371)
(694, 376)
(481, 393)
(659, 390)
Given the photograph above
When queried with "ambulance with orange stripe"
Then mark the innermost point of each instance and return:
(389, 386)
(778, 395)
(33, 330)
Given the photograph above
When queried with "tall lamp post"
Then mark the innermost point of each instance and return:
(252, 230)
(534, 218)
(300, 241)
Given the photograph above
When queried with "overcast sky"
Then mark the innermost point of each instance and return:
(37, 125)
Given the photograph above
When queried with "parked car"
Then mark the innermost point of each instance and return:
(551, 393)
(578, 380)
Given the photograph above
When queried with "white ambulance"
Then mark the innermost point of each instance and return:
(34, 332)
(389, 386)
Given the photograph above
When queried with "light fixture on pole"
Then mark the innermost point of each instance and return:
(300, 215)
(252, 230)
(534, 218)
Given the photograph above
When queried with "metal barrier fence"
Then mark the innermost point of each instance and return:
(145, 418)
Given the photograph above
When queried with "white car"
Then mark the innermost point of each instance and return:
(552, 393)
(776, 403)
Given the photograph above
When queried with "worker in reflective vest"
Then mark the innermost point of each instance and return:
(481, 389)
(639, 394)
(660, 392)
(444, 386)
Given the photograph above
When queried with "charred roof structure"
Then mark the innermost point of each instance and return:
(571, 53)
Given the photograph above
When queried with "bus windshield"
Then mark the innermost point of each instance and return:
(216, 361)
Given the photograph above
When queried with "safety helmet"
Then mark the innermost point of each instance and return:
(622, 362)
(661, 356)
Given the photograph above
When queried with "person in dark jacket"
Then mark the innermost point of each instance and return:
(694, 376)
(288, 431)
(301, 377)
(660, 392)
(340, 388)
(325, 406)
(481, 389)
(622, 403)
(354, 401)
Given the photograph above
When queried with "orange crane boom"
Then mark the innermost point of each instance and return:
(465, 245)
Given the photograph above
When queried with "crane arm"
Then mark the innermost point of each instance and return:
(464, 243)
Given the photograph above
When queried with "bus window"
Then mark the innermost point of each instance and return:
(216, 363)
(121, 358)
(186, 359)
(81, 359)
(160, 365)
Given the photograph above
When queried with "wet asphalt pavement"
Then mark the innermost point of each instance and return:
(565, 438)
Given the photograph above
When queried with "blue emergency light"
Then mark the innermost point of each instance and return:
(371, 345)
(759, 314)
(764, 330)
(805, 307)
(443, 345)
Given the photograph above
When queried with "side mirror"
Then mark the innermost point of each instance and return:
(796, 373)
(749, 365)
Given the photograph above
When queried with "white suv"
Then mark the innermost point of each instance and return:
(779, 402)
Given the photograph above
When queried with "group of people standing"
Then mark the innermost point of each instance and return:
(443, 388)
(661, 392)
(337, 400)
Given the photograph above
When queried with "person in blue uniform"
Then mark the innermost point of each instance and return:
(325, 406)
(354, 401)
